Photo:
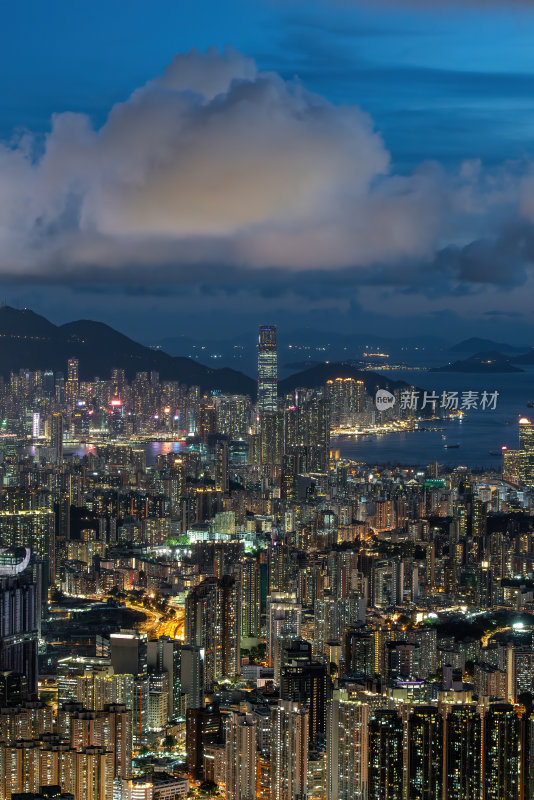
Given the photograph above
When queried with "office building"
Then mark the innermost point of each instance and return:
(267, 369)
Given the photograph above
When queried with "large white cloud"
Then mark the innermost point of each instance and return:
(215, 163)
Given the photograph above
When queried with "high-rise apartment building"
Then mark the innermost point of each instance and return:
(240, 756)
(501, 752)
(213, 622)
(307, 682)
(346, 397)
(347, 748)
(284, 621)
(56, 436)
(463, 732)
(289, 751)
(526, 451)
(250, 599)
(20, 610)
(222, 478)
(165, 656)
(425, 753)
(35, 530)
(72, 388)
(385, 756)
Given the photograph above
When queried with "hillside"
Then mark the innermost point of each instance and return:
(481, 363)
(317, 376)
(30, 341)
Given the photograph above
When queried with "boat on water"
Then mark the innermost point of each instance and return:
(451, 446)
(531, 404)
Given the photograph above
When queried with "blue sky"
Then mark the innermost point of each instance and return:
(412, 71)
(446, 85)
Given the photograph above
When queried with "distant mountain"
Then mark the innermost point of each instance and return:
(304, 345)
(28, 340)
(525, 358)
(484, 363)
(475, 345)
(317, 376)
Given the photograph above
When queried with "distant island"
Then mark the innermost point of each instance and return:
(486, 363)
(29, 341)
(476, 346)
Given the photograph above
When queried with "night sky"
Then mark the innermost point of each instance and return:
(198, 167)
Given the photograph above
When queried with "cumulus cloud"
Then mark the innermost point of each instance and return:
(217, 170)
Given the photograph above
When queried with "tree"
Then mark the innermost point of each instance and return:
(209, 789)
(526, 699)
(170, 741)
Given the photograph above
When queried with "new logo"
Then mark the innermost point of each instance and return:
(384, 400)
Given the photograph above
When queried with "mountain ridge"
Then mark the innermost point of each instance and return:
(30, 341)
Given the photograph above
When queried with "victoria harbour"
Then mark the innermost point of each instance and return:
(480, 434)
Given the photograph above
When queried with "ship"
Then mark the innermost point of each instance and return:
(451, 446)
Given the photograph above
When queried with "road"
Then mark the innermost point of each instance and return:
(155, 625)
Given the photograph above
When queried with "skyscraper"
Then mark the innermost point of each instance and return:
(289, 751)
(284, 620)
(462, 752)
(501, 752)
(347, 743)
(164, 655)
(241, 759)
(250, 599)
(385, 755)
(73, 383)
(305, 681)
(425, 753)
(267, 369)
(34, 529)
(526, 451)
(213, 622)
(221, 465)
(203, 728)
(19, 624)
(56, 435)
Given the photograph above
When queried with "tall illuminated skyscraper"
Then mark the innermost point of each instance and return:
(501, 752)
(241, 759)
(73, 382)
(56, 435)
(347, 748)
(221, 466)
(213, 622)
(267, 369)
(385, 756)
(164, 655)
(289, 751)
(250, 599)
(425, 753)
(526, 451)
(463, 731)
(19, 618)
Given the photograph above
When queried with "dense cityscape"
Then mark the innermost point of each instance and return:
(201, 597)
(267, 400)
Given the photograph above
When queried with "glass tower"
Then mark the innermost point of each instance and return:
(267, 369)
